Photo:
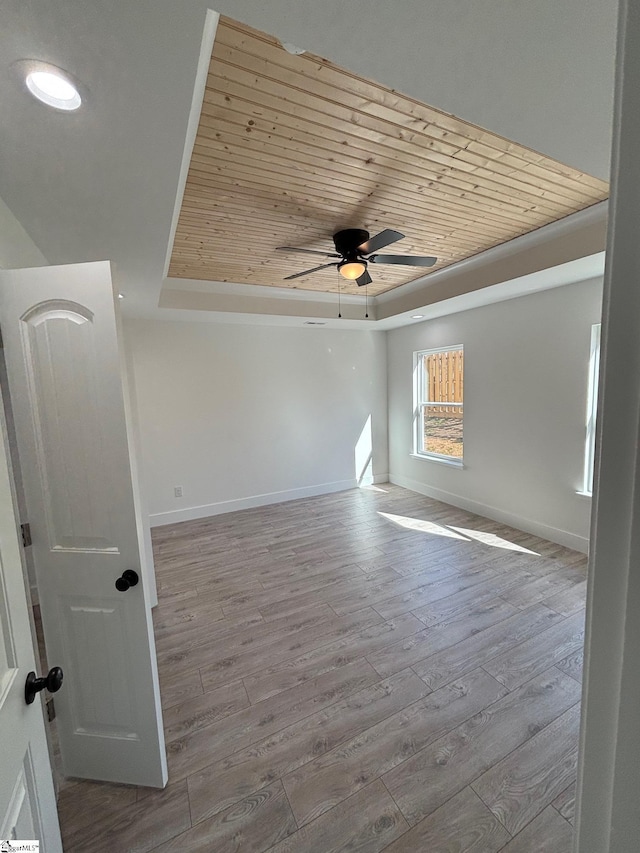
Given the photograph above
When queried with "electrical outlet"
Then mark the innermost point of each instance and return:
(177, 492)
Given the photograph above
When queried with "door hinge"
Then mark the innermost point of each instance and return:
(26, 534)
(51, 710)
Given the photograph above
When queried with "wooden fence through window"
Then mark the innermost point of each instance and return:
(444, 382)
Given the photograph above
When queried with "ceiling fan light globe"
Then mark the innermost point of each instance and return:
(351, 270)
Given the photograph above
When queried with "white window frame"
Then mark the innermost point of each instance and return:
(592, 411)
(419, 404)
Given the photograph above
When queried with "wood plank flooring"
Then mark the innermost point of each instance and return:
(371, 670)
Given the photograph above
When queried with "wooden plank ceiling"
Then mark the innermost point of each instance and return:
(290, 149)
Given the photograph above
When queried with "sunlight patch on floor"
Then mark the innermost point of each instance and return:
(450, 531)
(421, 526)
(493, 540)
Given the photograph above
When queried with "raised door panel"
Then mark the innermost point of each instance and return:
(70, 436)
(20, 820)
(95, 637)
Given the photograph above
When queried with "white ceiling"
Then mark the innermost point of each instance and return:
(102, 183)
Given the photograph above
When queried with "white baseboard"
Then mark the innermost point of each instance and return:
(380, 478)
(545, 531)
(193, 512)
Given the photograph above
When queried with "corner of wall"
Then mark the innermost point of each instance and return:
(17, 249)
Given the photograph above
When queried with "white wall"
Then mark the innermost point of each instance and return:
(244, 415)
(526, 364)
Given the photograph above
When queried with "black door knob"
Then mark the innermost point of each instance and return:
(129, 578)
(33, 685)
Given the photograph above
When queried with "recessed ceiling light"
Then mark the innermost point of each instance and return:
(52, 86)
(291, 48)
(417, 316)
(121, 296)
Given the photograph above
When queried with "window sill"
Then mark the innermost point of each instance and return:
(450, 463)
(583, 494)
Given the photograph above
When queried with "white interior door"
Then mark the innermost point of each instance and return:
(62, 352)
(27, 800)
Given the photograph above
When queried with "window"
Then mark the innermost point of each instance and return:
(439, 385)
(592, 410)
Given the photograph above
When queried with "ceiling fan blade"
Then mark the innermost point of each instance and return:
(406, 260)
(306, 251)
(307, 272)
(365, 278)
(384, 238)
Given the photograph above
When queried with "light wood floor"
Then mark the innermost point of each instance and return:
(365, 671)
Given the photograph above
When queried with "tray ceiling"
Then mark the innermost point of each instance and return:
(291, 149)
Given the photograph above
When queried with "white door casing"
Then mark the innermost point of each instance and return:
(27, 799)
(64, 366)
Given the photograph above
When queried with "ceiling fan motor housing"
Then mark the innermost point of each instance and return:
(348, 240)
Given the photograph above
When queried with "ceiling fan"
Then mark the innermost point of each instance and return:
(356, 250)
